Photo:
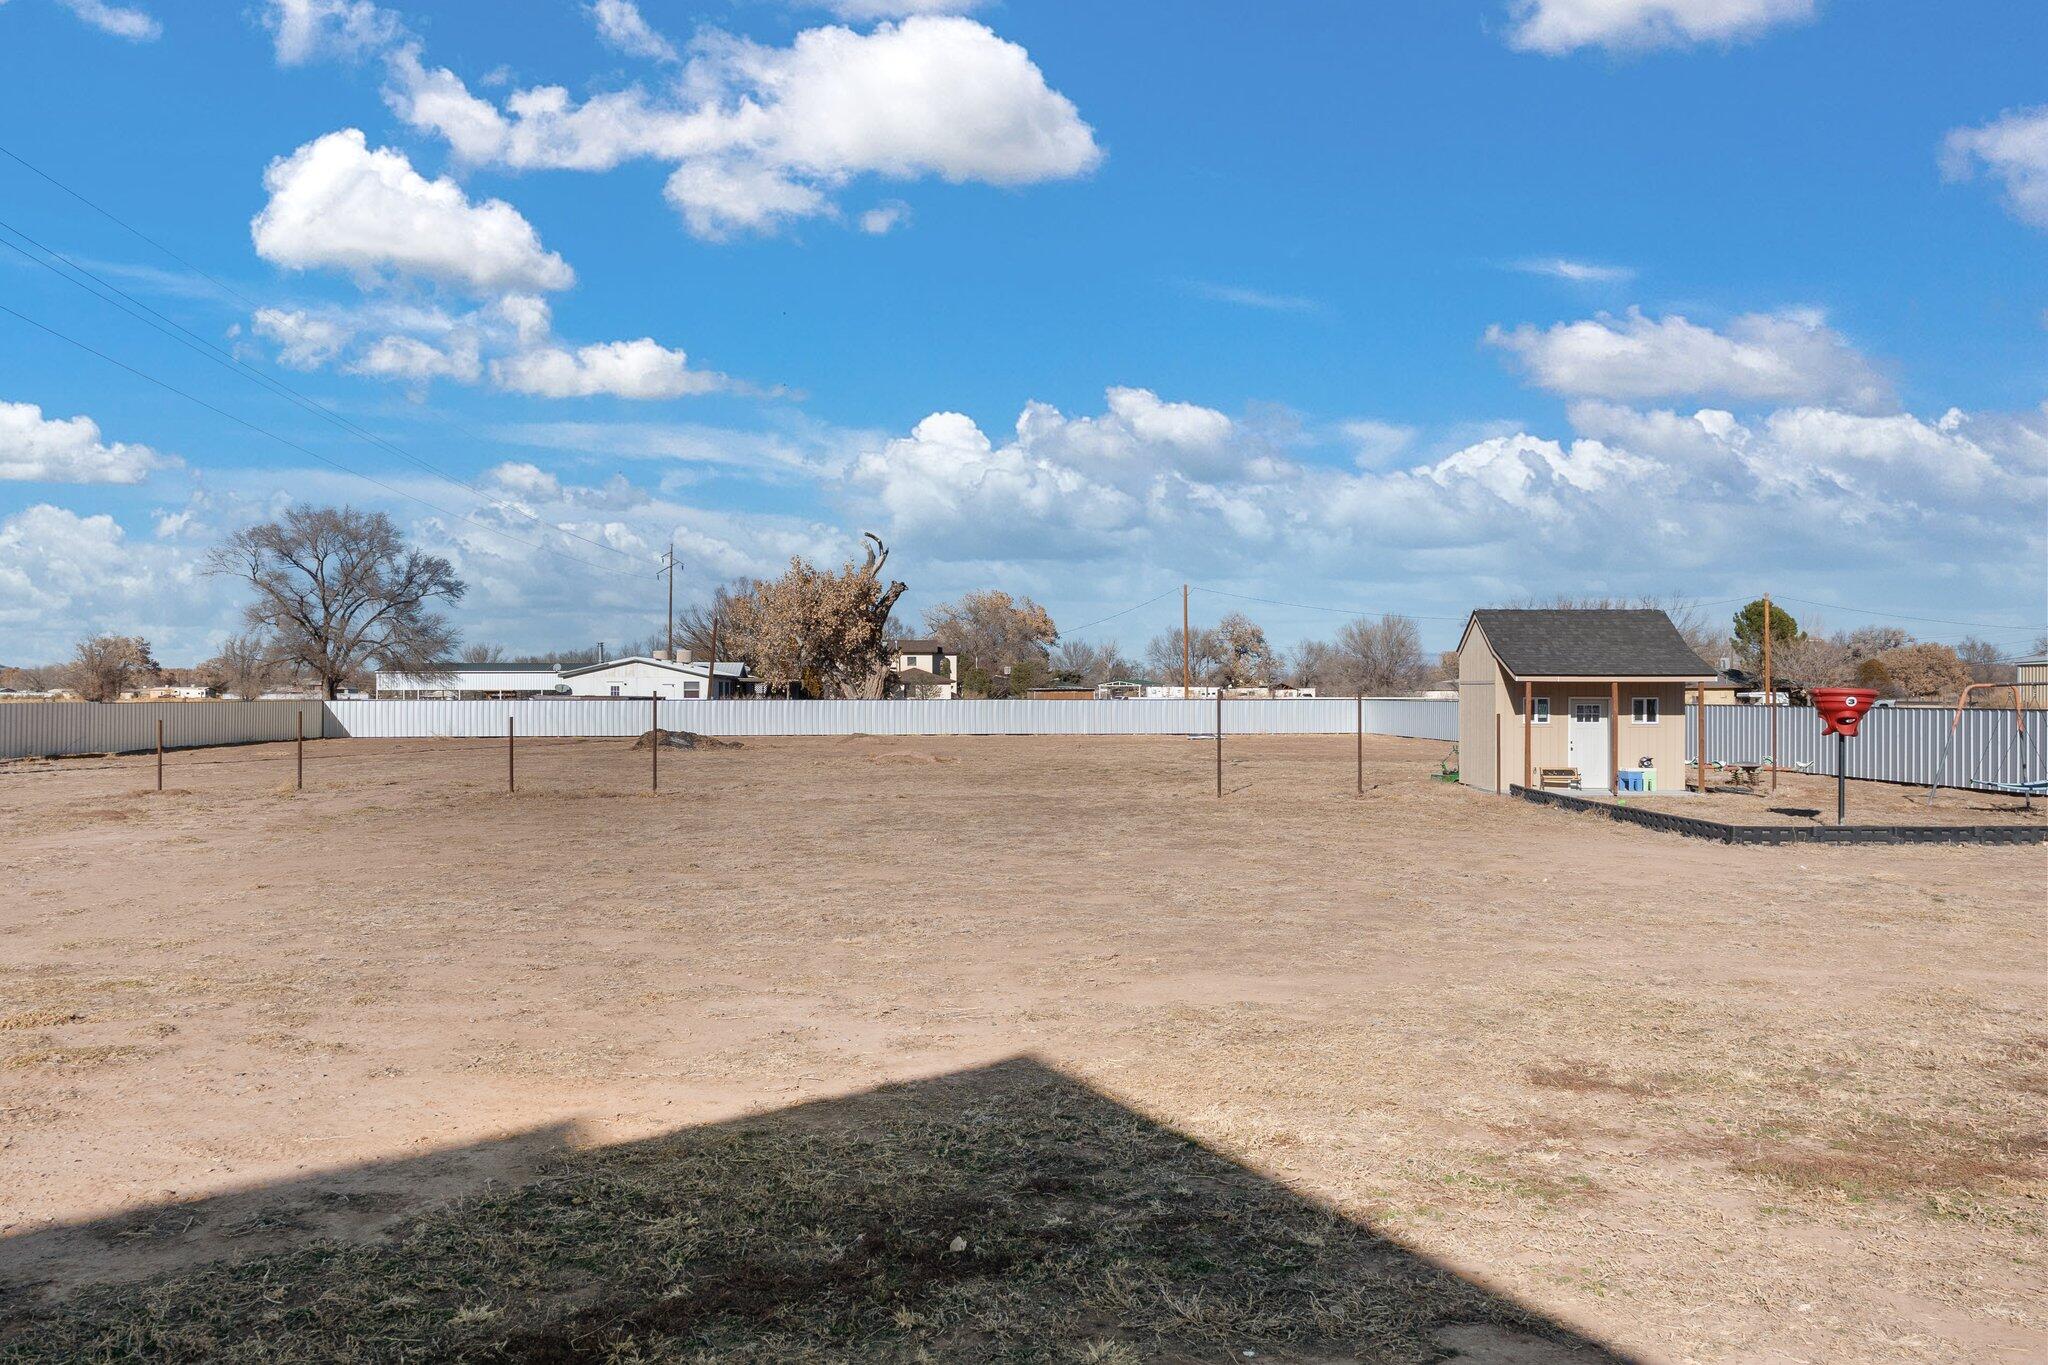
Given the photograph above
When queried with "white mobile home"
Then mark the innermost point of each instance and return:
(642, 676)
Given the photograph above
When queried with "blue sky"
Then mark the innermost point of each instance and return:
(1403, 306)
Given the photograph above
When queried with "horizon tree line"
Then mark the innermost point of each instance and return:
(338, 594)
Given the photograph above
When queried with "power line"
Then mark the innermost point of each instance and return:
(235, 365)
(128, 227)
(304, 450)
(1334, 611)
(1115, 614)
(1901, 616)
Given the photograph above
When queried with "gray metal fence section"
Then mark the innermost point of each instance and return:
(1418, 718)
(31, 729)
(1894, 743)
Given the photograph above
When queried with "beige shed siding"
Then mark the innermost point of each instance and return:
(1479, 692)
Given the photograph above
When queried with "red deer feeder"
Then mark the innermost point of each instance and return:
(1841, 710)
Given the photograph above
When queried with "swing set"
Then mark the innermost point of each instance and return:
(2027, 786)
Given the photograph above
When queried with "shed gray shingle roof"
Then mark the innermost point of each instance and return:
(1589, 643)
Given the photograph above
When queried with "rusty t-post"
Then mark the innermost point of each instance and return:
(1361, 741)
(159, 753)
(299, 777)
(511, 758)
(1219, 739)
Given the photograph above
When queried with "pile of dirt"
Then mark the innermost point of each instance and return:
(682, 739)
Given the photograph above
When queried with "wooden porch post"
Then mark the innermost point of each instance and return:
(1528, 733)
(1613, 736)
(1700, 740)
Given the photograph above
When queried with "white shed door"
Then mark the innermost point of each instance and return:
(1588, 737)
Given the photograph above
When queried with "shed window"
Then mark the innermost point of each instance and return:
(1540, 715)
(1645, 710)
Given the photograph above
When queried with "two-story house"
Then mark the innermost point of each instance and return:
(923, 670)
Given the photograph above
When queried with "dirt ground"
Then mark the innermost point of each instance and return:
(994, 1048)
(1803, 799)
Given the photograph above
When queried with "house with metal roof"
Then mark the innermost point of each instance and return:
(648, 676)
(1592, 698)
(460, 681)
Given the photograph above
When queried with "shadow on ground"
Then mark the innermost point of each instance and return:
(1005, 1213)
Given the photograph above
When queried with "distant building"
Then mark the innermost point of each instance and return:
(632, 676)
(646, 676)
(923, 670)
(1728, 687)
(1061, 692)
(2031, 675)
(475, 682)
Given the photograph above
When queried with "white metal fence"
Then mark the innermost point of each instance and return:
(484, 719)
(1894, 743)
(51, 729)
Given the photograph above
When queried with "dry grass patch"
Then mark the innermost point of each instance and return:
(1593, 1078)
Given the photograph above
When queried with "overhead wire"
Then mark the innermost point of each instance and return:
(177, 331)
(294, 445)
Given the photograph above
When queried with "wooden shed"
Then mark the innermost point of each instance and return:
(1573, 697)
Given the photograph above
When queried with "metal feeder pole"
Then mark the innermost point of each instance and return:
(1841, 777)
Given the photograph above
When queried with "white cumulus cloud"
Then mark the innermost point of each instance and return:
(620, 23)
(305, 341)
(123, 21)
(1559, 26)
(762, 134)
(862, 11)
(338, 204)
(307, 30)
(43, 449)
(2014, 149)
(621, 369)
(1790, 356)
(410, 360)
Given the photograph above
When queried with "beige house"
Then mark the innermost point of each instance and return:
(1573, 698)
(923, 669)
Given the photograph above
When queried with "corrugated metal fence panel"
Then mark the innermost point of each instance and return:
(1415, 717)
(1894, 743)
(51, 729)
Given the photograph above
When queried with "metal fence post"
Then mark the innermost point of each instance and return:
(654, 708)
(1219, 740)
(299, 777)
(1361, 741)
(159, 753)
(511, 756)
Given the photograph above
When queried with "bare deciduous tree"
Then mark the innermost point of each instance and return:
(339, 593)
(1232, 653)
(1382, 657)
(693, 623)
(1093, 664)
(820, 631)
(245, 667)
(105, 666)
(997, 635)
(1921, 672)
(482, 654)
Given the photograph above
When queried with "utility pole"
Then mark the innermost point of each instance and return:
(711, 673)
(1770, 698)
(1187, 671)
(669, 567)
